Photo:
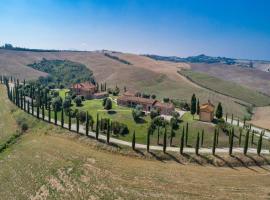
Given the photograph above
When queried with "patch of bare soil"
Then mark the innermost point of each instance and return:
(261, 117)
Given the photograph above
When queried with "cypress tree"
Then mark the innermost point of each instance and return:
(193, 105)
(62, 118)
(55, 116)
(259, 147)
(240, 136)
(77, 124)
(38, 111)
(171, 136)
(202, 138)
(232, 119)
(133, 140)
(252, 137)
(238, 121)
(186, 138)
(165, 141)
(198, 107)
(97, 127)
(246, 143)
(43, 112)
(108, 133)
(219, 111)
(32, 105)
(231, 142)
(49, 113)
(197, 144)
(214, 143)
(28, 107)
(217, 137)
(182, 141)
(158, 130)
(87, 124)
(69, 120)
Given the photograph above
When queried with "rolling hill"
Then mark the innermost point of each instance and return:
(137, 73)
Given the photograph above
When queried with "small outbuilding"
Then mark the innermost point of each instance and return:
(207, 112)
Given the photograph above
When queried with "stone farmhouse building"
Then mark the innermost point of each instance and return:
(88, 90)
(130, 100)
(207, 112)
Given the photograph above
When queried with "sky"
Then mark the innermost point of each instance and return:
(231, 28)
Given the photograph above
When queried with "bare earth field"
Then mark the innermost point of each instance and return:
(261, 117)
(254, 79)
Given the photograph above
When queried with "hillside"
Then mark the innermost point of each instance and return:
(142, 73)
(50, 163)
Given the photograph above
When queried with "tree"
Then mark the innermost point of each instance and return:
(108, 104)
(150, 131)
(214, 143)
(193, 105)
(87, 124)
(246, 143)
(231, 141)
(55, 117)
(49, 112)
(240, 136)
(165, 141)
(62, 118)
(172, 136)
(182, 141)
(133, 140)
(202, 138)
(137, 113)
(197, 144)
(69, 120)
(78, 101)
(219, 111)
(77, 123)
(186, 142)
(259, 147)
(97, 127)
(108, 132)
(154, 113)
(198, 107)
(158, 122)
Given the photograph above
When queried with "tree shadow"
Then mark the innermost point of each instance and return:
(156, 156)
(173, 157)
(225, 161)
(243, 163)
(139, 152)
(111, 112)
(192, 158)
(258, 164)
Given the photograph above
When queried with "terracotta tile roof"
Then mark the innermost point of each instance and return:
(100, 93)
(129, 93)
(164, 105)
(83, 86)
(138, 100)
(207, 107)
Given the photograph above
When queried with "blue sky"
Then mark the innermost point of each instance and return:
(232, 28)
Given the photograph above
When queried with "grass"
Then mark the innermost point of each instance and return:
(48, 162)
(227, 88)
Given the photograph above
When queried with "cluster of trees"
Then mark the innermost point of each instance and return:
(62, 73)
(114, 91)
(117, 58)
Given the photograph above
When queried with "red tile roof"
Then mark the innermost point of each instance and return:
(164, 105)
(83, 86)
(137, 99)
(207, 107)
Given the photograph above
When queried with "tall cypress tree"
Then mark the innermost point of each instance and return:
(259, 146)
(232, 119)
(252, 137)
(77, 124)
(32, 106)
(69, 120)
(193, 105)
(108, 132)
(182, 141)
(198, 107)
(186, 138)
(87, 124)
(246, 143)
(165, 141)
(62, 118)
(217, 137)
(148, 139)
(219, 111)
(197, 144)
(171, 136)
(240, 136)
(133, 140)
(97, 127)
(43, 112)
(231, 141)
(28, 107)
(214, 143)
(202, 137)
(49, 112)
(55, 116)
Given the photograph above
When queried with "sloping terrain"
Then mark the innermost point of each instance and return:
(261, 117)
(143, 74)
(252, 78)
(50, 163)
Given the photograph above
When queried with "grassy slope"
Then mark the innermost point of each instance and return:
(227, 88)
(144, 74)
(49, 163)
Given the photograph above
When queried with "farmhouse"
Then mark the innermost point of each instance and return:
(88, 90)
(207, 112)
(132, 101)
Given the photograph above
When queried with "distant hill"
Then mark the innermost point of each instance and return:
(195, 59)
